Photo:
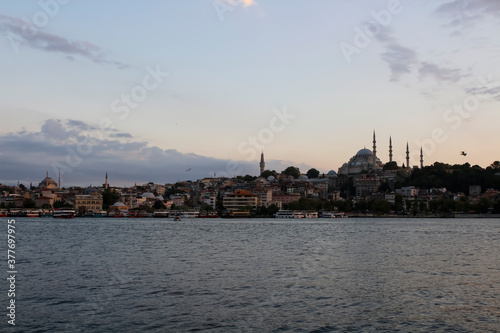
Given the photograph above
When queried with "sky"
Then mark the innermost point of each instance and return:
(165, 91)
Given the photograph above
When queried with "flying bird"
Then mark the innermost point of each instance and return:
(188, 170)
(463, 153)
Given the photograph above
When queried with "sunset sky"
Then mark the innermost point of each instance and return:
(146, 90)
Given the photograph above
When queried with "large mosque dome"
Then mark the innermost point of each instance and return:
(47, 183)
(363, 161)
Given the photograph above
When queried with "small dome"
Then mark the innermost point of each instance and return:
(303, 178)
(331, 173)
(271, 179)
(160, 198)
(89, 190)
(148, 195)
(119, 203)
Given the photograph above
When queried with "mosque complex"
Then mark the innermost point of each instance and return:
(366, 161)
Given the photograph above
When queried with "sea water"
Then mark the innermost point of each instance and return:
(256, 275)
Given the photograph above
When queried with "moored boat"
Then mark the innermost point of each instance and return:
(289, 214)
(64, 213)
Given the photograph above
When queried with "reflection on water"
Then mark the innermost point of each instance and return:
(258, 275)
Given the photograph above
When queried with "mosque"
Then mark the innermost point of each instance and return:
(366, 161)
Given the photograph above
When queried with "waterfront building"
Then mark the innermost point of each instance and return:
(239, 200)
(88, 202)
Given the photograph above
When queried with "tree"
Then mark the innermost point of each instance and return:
(158, 205)
(312, 173)
(28, 203)
(391, 166)
(292, 171)
(495, 165)
(109, 197)
(268, 173)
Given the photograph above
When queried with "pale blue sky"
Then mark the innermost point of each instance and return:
(226, 76)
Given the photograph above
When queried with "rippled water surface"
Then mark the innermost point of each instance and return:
(130, 275)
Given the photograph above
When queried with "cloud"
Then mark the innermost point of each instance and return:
(403, 60)
(84, 156)
(121, 135)
(40, 40)
(466, 13)
(439, 73)
(399, 58)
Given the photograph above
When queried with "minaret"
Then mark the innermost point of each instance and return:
(262, 164)
(47, 180)
(390, 149)
(407, 156)
(374, 148)
(59, 180)
(106, 182)
(421, 158)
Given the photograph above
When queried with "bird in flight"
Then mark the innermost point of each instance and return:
(188, 170)
(463, 153)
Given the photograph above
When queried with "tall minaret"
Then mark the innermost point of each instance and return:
(390, 149)
(421, 158)
(407, 156)
(59, 180)
(374, 148)
(262, 164)
(106, 182)
(47, 180)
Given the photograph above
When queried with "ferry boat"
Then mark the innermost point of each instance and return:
(289, 214)
(311, 215)
(161, 213)
(32, 213)
(328, 215)
(209, 215)
(4, 213)
(64, 214)
(101, 213)
(189, 215)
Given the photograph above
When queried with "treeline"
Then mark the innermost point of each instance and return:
(455, 178)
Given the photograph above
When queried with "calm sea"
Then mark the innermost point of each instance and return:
(346, 275)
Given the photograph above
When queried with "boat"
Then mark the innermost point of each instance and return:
(177, 218)
(289, 214)
(4, 213)
(328, 215)
(311, 215)
(189, 214)
(101, 213)
(32, 214)
(209, 215)
(63, 214)
(161, 213)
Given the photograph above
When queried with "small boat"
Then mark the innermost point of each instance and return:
(4, 213)
(63, 214)
(177, 218)
(289, 214)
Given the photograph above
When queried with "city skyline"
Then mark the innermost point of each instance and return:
(141, 90)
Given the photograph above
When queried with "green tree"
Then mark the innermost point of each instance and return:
(158, 205)
(312, 173)
(28, 203)
(109, 197)
(391, 166)
(292, 171)
(268, 173)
